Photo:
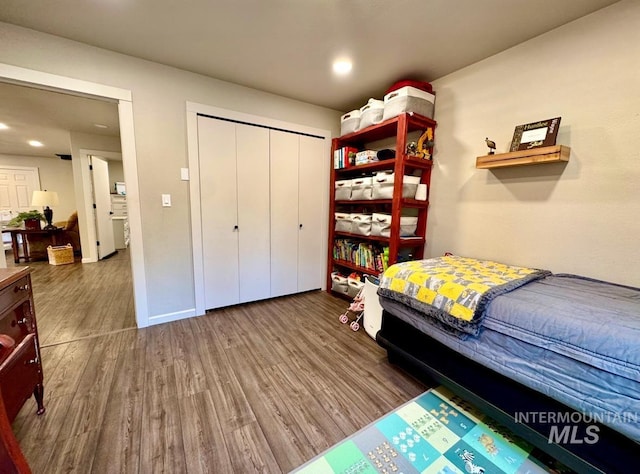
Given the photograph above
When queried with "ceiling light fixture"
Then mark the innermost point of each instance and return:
(3, 126)
(99, 125)
(35, 143)
(342, 67)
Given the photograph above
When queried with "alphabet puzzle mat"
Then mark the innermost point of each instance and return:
(436, 432)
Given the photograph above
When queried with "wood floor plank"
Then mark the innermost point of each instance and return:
(118, 446)
(234, 410)
(161, 444)
(73, 455)
(204, 447)
(187, 364)
(249, 450)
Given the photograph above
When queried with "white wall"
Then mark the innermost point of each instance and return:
(159, 96)
(580, 218)
(55, 175)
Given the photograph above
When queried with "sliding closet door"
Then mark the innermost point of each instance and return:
(218, 195)
(284, 213)
(312, 164)
(252, 147)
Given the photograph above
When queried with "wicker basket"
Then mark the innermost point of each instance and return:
(60, 255)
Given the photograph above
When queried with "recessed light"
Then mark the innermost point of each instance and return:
(100, 125)
(3, 126)
(342, 67)
(35, 143)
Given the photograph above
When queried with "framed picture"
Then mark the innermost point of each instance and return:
(536, 134)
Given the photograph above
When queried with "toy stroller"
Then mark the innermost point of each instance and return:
(355, 311)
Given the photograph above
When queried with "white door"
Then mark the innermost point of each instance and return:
(312, 163)
(17, 185)
(252, 155)
(218, 196)
(102, 207)
(284, 213)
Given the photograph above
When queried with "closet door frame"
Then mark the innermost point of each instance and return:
(193, 110)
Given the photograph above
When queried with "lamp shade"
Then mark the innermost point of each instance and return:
(44, 198)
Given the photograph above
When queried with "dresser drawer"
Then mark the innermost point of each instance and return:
(14, 293)
(19, 374)
(17, 323)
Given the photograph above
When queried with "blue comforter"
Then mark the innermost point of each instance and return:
(591, 321)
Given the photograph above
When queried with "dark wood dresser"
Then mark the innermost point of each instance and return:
(20, 365)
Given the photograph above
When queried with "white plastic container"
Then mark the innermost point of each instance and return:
(361, 189)
(350, 122)
(383, 185)
(361, 224)
(371, 113)
(354, 287)
(421, 192)
(381, 225)
(343, 222)
(408, 99)
(339, 283)
(343, 190)
(372, 317)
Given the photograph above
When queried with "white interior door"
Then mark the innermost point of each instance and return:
(252, 149)
(311, 168)
(284, 213)
(102, 206)
(218, 196)
(17, 185)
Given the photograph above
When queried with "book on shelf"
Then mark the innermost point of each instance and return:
(344, 157)
(370, 256)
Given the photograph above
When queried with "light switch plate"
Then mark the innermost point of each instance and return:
(184, 174)
(166, 200)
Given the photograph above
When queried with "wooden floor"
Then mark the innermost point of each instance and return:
(260, 387)
(81, 300)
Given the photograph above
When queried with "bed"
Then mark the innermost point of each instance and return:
(553, 357)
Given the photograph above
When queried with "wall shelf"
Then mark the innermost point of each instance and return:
(535, 156)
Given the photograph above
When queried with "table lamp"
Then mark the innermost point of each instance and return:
(45, 199)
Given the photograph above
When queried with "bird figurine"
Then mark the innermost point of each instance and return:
(491, 144)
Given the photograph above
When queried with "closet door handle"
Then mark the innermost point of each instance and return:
(301, 226)
(235, 227)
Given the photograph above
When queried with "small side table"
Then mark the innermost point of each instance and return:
(24, 240)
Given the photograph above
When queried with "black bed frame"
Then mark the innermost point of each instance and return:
(501, 398)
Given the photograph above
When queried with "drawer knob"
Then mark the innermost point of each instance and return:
(24, 287)
(32, 361)
(23, 320)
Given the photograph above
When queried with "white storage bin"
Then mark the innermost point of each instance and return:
(343, 190)
(371, 113)
(381, 225)
(354, 287)
(361, 189)
(339, 283)
(383, 185)
(408, 226)
(343, 222)
(361, 224)
(408, 99)
(350, 122)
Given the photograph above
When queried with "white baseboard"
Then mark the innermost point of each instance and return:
(168, 317)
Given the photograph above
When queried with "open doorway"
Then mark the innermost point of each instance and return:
(72, 301)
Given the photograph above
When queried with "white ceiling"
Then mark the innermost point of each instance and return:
(287, 46)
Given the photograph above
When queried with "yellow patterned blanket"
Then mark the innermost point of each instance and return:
(453, 290)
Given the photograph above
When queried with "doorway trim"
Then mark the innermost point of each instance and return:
(91, 256)
(123, 97)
